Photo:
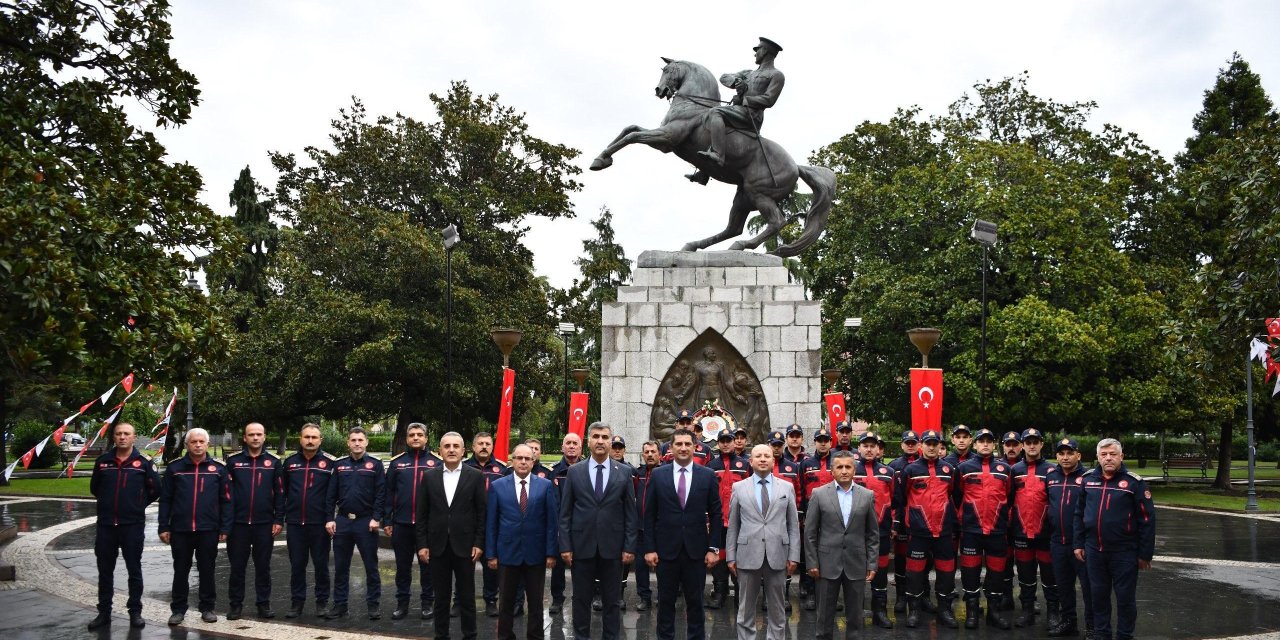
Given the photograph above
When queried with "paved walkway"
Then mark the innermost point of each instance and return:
(1214, 577)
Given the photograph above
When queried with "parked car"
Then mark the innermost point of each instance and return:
(72, 442)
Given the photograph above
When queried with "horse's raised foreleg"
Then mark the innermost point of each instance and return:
(773, 223)
(631, 135)
(737, 221)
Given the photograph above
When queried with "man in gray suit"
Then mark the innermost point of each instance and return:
(598, 528)
(842, 544)
(762, 543)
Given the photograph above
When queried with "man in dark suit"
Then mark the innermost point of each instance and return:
(598, 525)
(450, 532)
(682, 528)
(520, 540)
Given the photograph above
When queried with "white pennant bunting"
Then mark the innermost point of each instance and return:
(8, 471)
(1277, 390)
(107, 396)
(40, 447)
(1258, 350)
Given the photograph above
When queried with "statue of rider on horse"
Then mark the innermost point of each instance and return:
(722, 141)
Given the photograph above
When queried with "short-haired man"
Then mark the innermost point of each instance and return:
(925, 489)
(195, 515)
(842, 540)
(1115, 534)
(1029, 528)
(482, 459)
(740, 443)
(982, 491)
(306, 475)
(795, 445)
(1065, 489)
(762, 544)
(257, 498)
(356, 496)
(871, 472)
(405, 473)
(962, 440)
(124, 482)
(522, 516)
(844, 437)
(450, 534)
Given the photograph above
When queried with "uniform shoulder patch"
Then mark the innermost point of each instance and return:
(398, 455)
(1134, 476)
(328, 455)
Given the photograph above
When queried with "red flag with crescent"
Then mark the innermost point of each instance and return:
(578, 413)
(1273, 328)
(836, 410)
(502, 440)
(127, 383)
(926, 399)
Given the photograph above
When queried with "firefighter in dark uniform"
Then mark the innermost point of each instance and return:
(910, 445)
(962, 441)
(815, 471)
(306, 475)
(124, 483)
(1065, 488)
(871, 472)
(789, 471)
(405, 473)
(795, 445)
(650, 457)
(1115, 535)
(195, 515)
(257, 500)
(925, 489)
(740, 443)
(1029, 528)
(571, 448)
(982, 492)
(482, 460)
(355, 505)
(729, 468)
(1011, 443)
(844, 438)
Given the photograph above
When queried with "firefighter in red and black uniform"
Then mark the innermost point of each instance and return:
(1029, 526)
(482, 459)
(124, 483)
(790, 472)
(405, 474)
(872, 473)
(195, 515)
(910, 445)
(1011, 443)
(795, 445)
(1064, 486)
(982, 492)
(729, 468)
(650, 458)
(962, 443)
(926, 492)
(740, 443)
(844, 438)
(815, 472)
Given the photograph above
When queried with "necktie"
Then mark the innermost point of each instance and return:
(599, 482)
(681, 489)
(764, 497)
(524, 496)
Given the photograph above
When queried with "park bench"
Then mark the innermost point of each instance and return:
(89, 454)
(1186, 462)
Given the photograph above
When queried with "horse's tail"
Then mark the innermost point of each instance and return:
(823, 183)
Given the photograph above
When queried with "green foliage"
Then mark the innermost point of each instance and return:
(29, 433)
(1073, 331)
(238, 274)
(141, 416)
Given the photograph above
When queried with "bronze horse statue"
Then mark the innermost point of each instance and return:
(763, 171)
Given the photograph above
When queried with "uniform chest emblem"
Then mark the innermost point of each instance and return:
(266, 463)
(1079, 480)
(738, 465)
(431, 463)
(946, 469)
(210, 469)
(1124, 484)
(1000, 468)
(137, 463)
(541, 474)
(323, 464)
(368, 465)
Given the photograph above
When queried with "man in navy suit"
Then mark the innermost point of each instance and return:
(682, 526)
(598, 525)
(520, 540)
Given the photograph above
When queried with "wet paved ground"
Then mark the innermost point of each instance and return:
(1214, 576)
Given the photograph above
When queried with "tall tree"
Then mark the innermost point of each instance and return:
(241, 277)
(94, 220)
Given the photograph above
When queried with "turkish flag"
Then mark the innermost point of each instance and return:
(836, 411)
(578, 413)
(1273, 327)
(28, 457)
(57, 434)
(926, 399)
(502, 440)
(127, 383)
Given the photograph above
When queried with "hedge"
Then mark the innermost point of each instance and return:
(29, 433)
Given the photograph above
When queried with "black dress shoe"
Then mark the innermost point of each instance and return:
(102, 620)
(401, 612)
(295, 610)
(265, 612)
(208, 616)
(557, 606)
(491, 609)
(375, 612)
(428, 612)
(335, 612)
(234, 612)
(643, 605)
(136, 621)
(176, 619)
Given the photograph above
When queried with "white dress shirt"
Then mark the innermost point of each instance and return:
(451, 483)
(528, 486)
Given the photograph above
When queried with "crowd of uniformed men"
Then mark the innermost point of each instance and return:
(997, 505)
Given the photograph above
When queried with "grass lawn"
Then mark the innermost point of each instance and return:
(77, 486)
(1207, 498)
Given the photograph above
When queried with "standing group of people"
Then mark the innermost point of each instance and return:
(754, 517)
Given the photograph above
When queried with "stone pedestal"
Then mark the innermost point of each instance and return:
(674, 298)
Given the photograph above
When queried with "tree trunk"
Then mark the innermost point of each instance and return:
(4, 429)
(1222, 480)
(402, 427)
(284, 439)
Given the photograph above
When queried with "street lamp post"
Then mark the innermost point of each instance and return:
(193, 285)
(565, 329)
(984, 233)
(451, 238)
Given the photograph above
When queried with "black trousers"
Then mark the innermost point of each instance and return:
(248, 540)
(1067, 570)
(349, 538)
(683, 574)
(609, 572)
(125, 540)
(404, 544)
(449, 569)
(203, 545)
(530, 578)
(308, 541)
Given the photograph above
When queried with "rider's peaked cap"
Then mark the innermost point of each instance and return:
(765, 41)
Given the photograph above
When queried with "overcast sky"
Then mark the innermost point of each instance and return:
(273, 75)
